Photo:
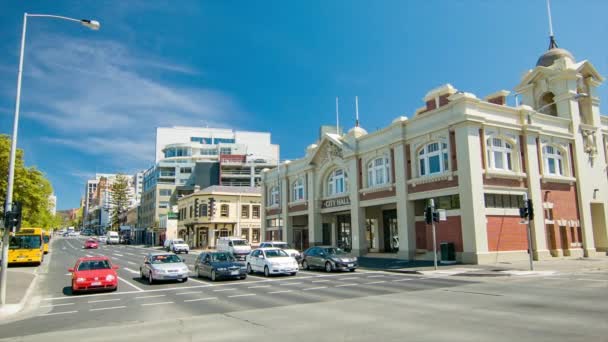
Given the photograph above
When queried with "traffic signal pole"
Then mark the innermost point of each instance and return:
(529, 213)
(432, 206)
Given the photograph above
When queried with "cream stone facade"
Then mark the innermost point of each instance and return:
(476, 158)
(218, 211)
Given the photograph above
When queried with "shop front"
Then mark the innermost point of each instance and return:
(381, 229)
(337, 229)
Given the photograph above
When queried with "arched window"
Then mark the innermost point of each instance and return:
(433, 159)
(297, 190)
(500, 154)
(337, 182)
(273, 196)
(547, 104)
(378, 172)
(554, 160)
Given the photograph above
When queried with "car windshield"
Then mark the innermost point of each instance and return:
(91, 241)
(239, 242)
(165, 259)
(94, 265)
(46, 238)
(283, 245)
(222, 257)
(178, 241)
(275, 253)
(25, 242)
(334, 251)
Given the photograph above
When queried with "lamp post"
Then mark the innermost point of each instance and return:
(92, 24)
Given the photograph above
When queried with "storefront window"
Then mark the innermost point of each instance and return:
(344, 232)
(449, 202)
(255, 235)
(245, 234)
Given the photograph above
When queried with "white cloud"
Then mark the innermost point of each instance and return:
(101, 95)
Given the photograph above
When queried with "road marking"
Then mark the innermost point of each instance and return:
(314, 288)
(51, 306)
(287, 284)
(155, 296)
(222, 290)
(185, 293)
(319, 281)
(130, 270)
(376, 282)
(588, 279)
(344, 285)
(376, 276)
(405, 279)
(89, 255)
(131, 262)
(242, 295)
(128, 253)
(199, 299)
(68, 274)
(59, 313)
(273, 292)
(118, 254)
(349, 278)
(103, 300)
(110, 308)
(133, 286)
(198, 281)
(161, 303)
(257, 286)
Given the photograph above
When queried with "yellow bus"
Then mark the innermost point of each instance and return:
(26, 247)
(46, 237)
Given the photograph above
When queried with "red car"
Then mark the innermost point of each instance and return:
(91, 243)
(94, 273)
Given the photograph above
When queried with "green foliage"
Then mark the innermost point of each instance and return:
(119, 199)
(31, 188)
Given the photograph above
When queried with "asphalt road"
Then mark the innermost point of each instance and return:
(57, 309)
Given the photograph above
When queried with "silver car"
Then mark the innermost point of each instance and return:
(163, 266)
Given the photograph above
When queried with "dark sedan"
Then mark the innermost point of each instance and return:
(328, 258)
(219, 265)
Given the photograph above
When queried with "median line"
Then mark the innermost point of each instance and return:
(344, 285)
(222, 290)
(257, 286)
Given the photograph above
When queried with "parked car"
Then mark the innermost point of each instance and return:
(177, 246)
(271, 261)
(94, 273)
(239, 247)
(102, 239)
(328, 258)
(218, 265)
(112, 238)
(163, 266)
(284, 246)
(91, 243)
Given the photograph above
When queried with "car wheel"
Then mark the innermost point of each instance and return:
(184, 280)
(141, 274)
(266, 271)
(352, 270)
(249, 269)
(150, 278)
(293, 273)
(328, 267)
(243, 277)
(213, 276)
(186, 252)
(305, 265)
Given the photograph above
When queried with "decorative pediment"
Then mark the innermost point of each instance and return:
(330, 149)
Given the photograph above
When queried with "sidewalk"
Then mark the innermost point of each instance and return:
(19, 283)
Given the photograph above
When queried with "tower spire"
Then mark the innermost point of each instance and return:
(552, 42)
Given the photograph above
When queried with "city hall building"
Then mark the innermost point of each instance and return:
(476, 157)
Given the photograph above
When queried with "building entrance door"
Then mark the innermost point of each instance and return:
(391, 232)
(600, 229)
(326, 234)
(300, 239)
(371, 234)
(203, 238)
(344, 232)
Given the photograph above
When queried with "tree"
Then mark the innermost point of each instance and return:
(30, 187)
(119, 199)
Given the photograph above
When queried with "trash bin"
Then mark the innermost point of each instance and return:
(448, 252)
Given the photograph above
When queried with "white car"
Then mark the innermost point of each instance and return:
(284, 246)
(271, 261)
(178, 246)
(102, 239)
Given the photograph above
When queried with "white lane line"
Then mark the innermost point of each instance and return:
(68, 274)
(128, 253)
(287, 284)
(376, 276)
(349, 278)
(222, 290)
(588, 279)
(59, 313)
(319, 281)
(54, 305)
(103, 300)
(242, 295)
(131, 262)
(110, 308)
(273, 292)
(376, 282)
(344, 285)
(89, 255)
(186, 293)
(130, 270)
(143, 253)
(314, 288)
(133, 286)
(198, 281)
(199, 299)
(406, 279)
(118, 254)
(161, 303)
(155, 296)
(257, 287)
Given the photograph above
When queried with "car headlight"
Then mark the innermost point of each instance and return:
(110, 277)
(221, 269)
(80, 280)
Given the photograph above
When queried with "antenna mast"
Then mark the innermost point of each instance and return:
(337, 118)
(356, 111)
(552, 42)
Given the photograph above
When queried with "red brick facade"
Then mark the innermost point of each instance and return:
(270, 212)
(563, 197)
(447, 231)
(442, 184)
(299, 207)
(506, 233)
(377, 194)
(511, 183)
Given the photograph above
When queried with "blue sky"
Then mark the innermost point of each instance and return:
(91, 100)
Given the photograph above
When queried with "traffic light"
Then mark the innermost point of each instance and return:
(523, 212)
(436, 216)
(12, 219)
(530, 210)
(527, 211)
(428, 215)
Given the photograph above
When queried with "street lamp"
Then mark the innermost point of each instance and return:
(93, 25)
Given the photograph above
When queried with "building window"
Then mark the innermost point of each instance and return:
(191, 210)
(378, 172)
(274, 196)
(203, 210)
(547, 104)
(554, 160)
(245, 234)
(297, 193)
(225, 150)
(163, 205)
(337, 183)
(245, 211)
(500, 154)
(185, 170)
(503, 201)
(449, 202)
(432, 159)
(164, 192)
(224, 210)
(224, 141)
(255, 211)
(201, 140)
(255, 235)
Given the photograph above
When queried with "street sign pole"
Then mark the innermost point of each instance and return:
(432, 203)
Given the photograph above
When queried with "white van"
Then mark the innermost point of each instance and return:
(112, 238)
(239, 247)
